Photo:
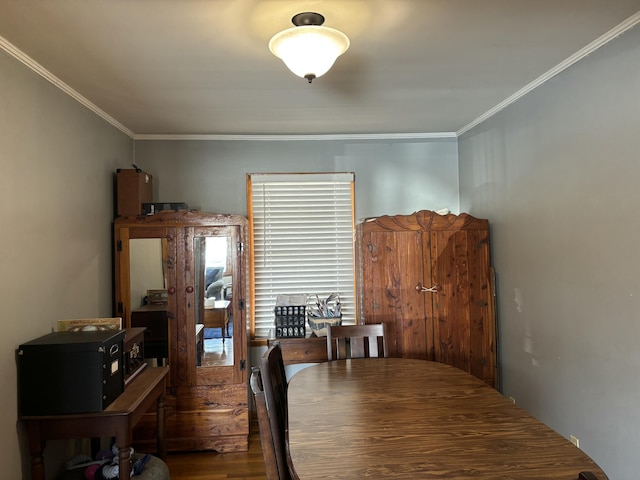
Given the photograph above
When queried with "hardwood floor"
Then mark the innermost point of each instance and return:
(219, 466)
(217, 353)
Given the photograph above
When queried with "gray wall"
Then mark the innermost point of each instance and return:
(557, 173)
(399, 176)
(56, 205)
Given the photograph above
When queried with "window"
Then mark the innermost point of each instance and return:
(302, 228)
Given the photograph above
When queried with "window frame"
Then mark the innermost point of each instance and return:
(348, 298)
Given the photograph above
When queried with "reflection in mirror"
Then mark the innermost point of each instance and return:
(148, 294)
(214, 297)
(147, 265)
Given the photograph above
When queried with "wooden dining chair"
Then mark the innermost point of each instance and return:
(266, 439)
(357, 341)
(274, 382)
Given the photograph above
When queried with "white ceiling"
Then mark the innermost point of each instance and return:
(203, 67)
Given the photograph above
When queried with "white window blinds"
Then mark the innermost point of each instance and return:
(302, 234)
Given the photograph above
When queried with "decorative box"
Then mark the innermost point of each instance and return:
(70, 372)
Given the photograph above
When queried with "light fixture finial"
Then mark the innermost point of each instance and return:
(308, 49)
(307, 18)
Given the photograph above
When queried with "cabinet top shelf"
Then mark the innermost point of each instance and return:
(182, 218)
(424, 220)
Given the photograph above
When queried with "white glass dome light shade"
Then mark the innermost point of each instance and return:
(309, 51)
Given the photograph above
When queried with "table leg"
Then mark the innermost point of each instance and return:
(160, 421)
(124, 462)
(36, 446)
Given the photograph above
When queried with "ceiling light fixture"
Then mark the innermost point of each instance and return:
(309, 49)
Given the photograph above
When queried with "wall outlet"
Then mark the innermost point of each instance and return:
(575, 440)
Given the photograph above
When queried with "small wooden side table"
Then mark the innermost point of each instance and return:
(217, 316)
(117, 420)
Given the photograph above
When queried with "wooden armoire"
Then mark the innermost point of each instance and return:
(429, 278)
(180, 254)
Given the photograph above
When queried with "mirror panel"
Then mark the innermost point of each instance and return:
(214, 296)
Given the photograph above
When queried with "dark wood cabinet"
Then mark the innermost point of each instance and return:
(429, 278)
(155, 319)
(173, 252)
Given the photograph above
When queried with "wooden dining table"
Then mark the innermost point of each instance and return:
(415, 419)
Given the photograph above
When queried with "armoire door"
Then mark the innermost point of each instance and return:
(428, 277)
(391, 268)
(211, 408)
(462, 303)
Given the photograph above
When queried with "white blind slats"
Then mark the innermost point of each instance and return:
(303, 240)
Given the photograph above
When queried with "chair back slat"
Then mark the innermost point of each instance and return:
(356, 341)
(356, 345)
(342, 347)
(373, 347)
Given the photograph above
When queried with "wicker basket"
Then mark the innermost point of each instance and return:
(318, 325)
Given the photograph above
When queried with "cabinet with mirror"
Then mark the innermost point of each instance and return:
(182, 275)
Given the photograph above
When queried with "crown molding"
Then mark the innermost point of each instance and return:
(47, 75)
(288, 138)
(618, 30)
